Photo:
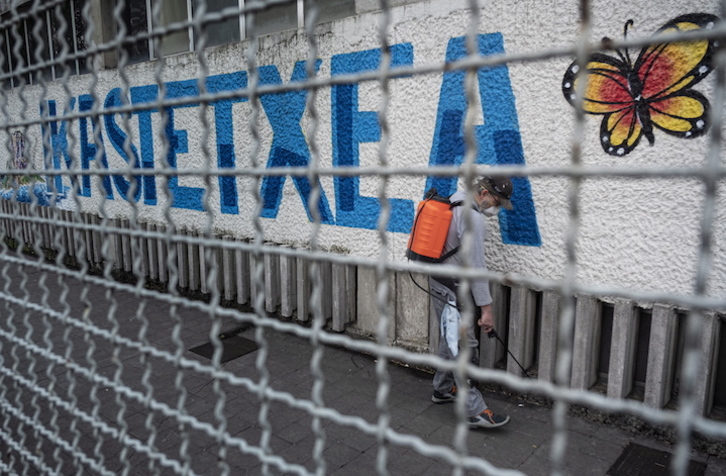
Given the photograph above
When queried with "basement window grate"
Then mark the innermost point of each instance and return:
(233, 347)
(637, 460)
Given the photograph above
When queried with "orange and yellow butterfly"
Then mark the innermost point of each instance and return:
(653, 92)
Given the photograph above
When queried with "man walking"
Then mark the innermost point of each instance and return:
(490, 193)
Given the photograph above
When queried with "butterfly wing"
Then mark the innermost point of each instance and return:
(682, 115)
(665, 69)
(607, 92)
(655, 92)
(668, 70)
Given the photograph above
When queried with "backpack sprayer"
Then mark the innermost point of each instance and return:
(430, 227)
(427, 240)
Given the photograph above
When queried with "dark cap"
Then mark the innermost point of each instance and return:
(501, 187)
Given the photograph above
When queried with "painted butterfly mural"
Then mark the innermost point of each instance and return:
(654, 92)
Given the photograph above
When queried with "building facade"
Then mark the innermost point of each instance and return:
(625, 204)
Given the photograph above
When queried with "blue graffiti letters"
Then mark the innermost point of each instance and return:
(498, 139)
(289, 148)
(352, 127)
(90, 150)
(58, 144)
(124, 147)
(169, 131)
(225, 135)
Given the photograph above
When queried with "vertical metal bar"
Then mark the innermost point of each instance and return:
(118, 245)
(351, 282)
(242, 273)
(218, 257)
(204, 266)
(300, 14)
(28, 61)
(661, 354)
(45, 232)
(87, 220)
(272, 281)
(288, 284)
(622, 349)
(144, 248)
(492, 351)
(74, 32)
(586, 342)
(228, 264)
(153, 253)
(242, 21)
(51, 52)
(97, 242)
(326, 299)
(150, 28)
(339, 294)
(70, 241)
(190, 28)
(521, 329)
(196, 264)
(182, 261)
(303, 289)
(11, 65)
(23, 225)
(162, 254)
(126, 243)
(548, 336)
(29, 232)
(706, 379)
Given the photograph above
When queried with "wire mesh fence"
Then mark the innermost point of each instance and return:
(155, 292)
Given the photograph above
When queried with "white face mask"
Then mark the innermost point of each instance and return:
(492, 211)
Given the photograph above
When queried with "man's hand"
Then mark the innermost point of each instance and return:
(486, 321)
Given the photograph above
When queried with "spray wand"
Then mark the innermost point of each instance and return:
(493, 333)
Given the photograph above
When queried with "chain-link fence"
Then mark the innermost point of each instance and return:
(157, 261)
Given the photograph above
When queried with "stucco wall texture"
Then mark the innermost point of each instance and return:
(635, 233)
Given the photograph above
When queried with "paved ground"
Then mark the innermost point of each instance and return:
(55, 419)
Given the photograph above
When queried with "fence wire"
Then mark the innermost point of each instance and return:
(97, 318)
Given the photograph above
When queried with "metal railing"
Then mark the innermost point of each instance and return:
(100, 306)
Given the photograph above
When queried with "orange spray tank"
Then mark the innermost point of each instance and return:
(430, 227)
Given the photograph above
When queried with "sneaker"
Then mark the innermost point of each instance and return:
(447, 397)
(488, 419)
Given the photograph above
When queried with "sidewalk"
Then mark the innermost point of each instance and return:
(110, 427)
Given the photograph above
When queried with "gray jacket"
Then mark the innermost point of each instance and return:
(476, 257)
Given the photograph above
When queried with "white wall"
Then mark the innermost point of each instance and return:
(634, 233)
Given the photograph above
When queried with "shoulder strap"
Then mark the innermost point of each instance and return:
(452, 251)
(449, 254)
(459, 203)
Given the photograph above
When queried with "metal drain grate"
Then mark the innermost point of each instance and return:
(232, 347)
(637, 460)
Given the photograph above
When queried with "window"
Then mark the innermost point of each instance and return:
(56, 35)
(277, 18)
(133, 13)
(329, 10)
(33, 36)
(137, 17)
(174, 11)
(227, 31)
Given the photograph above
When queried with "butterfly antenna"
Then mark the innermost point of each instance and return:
(628, 23)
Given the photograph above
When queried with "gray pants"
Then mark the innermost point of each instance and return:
(443, 381)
